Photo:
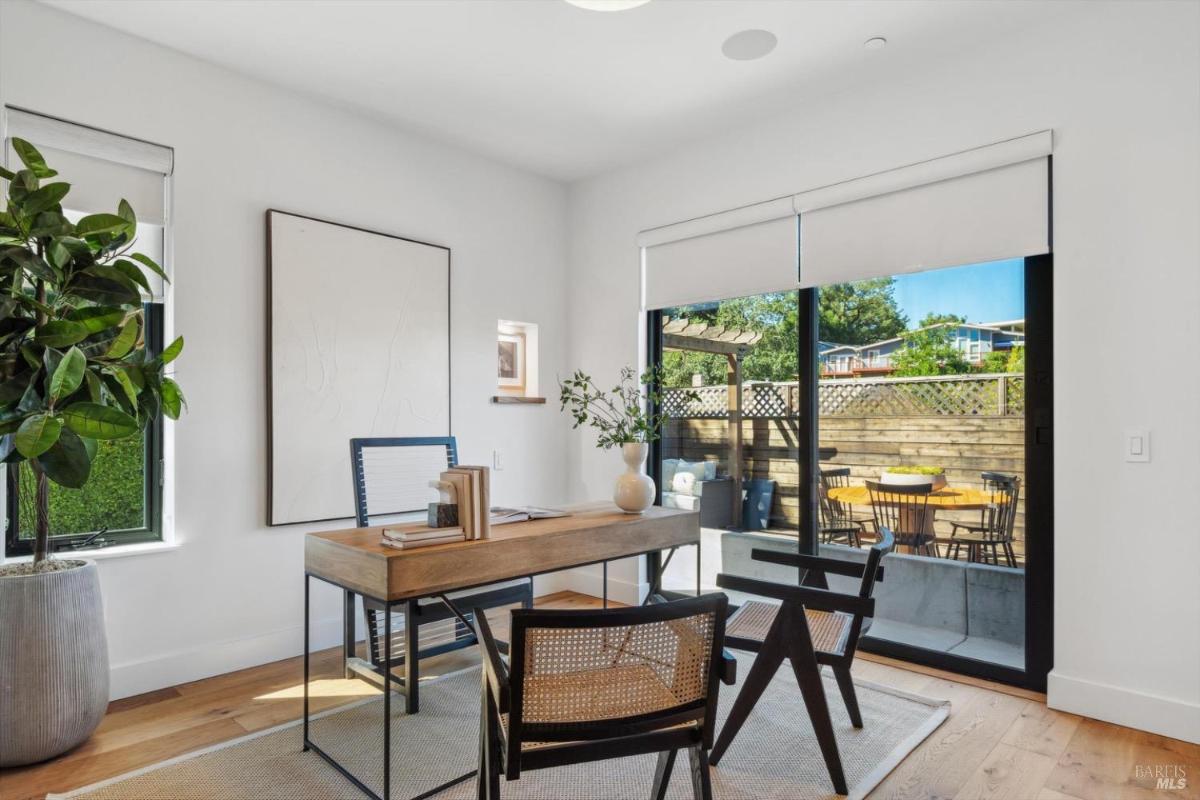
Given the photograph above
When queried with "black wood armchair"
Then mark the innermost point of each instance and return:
(810, 626)
(599, 684)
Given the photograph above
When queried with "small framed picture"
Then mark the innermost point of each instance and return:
(510, 368)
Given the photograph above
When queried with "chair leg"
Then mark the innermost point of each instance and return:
(701, 781)
(808, 675)
(493, 751)
(662, 774)
(846, 684)
(481, 782)
(770, 656)
(1009, 555)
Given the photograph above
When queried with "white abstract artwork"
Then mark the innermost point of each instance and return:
(358, 345)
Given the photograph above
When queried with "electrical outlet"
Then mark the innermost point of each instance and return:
(1137, 445)
(497, 463)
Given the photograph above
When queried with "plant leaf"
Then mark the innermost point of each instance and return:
(96, 421)
(95, 390)
(44, 198)
(95, 224)
(98, 318)
(125, 340)
(148, 262)
(131, 271)
(68, 462)
(37, 434)
(68, 376)
(173, 350)
(126, 386)
(31, 158)
(61, 333)
(173, 400)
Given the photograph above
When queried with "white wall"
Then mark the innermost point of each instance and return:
(1120, 87)
(231, 595)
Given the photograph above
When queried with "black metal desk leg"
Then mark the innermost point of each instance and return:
(412, 659)
(387, 701)
(307, 580)
(349, 632)
(699, 547)
(604, 582)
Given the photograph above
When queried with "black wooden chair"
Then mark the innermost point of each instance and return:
(837, 520)
(598, 684)
(994, 531)
(391, 478)
(810, 626)
(905, 511)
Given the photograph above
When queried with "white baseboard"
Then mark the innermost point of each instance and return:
(1167, 716)
(171, 669)
(590, 582)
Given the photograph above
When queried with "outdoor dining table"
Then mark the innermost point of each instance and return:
(949, 498)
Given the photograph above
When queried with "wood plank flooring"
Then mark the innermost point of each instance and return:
(999, 742)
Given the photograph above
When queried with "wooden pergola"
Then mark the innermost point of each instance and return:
(734, 344)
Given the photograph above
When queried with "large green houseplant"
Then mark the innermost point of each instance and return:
(74, 370)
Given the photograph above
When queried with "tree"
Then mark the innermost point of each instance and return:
(861, 312)
(931, 319)
(929, 351)
(74, 365)
(772, 358)
(1004, 361)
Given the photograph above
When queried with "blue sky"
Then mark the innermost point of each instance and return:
(988, 292)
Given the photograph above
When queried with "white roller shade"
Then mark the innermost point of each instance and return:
(63, 135)
(98, 186)
(744, 252)
(984, 205)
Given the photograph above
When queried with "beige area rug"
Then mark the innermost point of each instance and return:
(774, 757)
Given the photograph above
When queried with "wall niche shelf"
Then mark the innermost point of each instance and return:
(513, 399)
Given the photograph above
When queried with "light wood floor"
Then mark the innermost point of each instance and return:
(999, 742)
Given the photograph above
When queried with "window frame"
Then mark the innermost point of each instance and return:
(152, 531)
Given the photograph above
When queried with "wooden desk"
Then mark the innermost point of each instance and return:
(355, 561)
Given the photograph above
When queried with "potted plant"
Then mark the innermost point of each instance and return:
(935, 477)
(74, 370)
(621, 419)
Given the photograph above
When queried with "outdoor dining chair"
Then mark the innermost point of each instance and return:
(809, 626)
(591, 685)
(994, 531)
(837, 520)
(905, 511)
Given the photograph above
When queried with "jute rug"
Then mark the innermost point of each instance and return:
(774, 756)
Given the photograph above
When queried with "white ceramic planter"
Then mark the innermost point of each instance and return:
(53, 662)
(905, 479)
(634, 492)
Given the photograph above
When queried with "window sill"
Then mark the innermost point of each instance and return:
(100, 554)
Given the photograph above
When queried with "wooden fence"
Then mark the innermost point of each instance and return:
(964, 445)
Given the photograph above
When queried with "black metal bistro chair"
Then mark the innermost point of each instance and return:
(598, 684)
(905, 511)
(391, 477)
(809, 626)
(837, 520)
(994, 531)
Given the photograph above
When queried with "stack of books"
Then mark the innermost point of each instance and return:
(473, 493)
(410, 536)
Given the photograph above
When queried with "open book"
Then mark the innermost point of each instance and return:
(503, 516)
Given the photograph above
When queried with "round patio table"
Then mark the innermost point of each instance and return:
(951, 498)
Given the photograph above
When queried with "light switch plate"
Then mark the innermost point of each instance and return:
(1137, 445)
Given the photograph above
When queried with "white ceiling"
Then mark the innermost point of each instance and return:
(556, 89)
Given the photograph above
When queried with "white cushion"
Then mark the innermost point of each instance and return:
(669, 465)
(684, 483)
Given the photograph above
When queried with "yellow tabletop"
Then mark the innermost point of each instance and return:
(949, 497)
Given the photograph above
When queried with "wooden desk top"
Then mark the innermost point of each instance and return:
(356, 560)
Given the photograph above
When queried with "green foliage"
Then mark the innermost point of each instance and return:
(114, 496)
(931, 319)
(929, 351)
(1004, 361)
(74, 367)
(916, 470)
(860, 312)
(619, 416)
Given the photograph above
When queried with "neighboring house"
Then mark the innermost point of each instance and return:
(973, 340)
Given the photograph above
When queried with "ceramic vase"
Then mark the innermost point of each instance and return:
(634, 492)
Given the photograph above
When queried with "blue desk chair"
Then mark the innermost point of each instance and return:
(391, 479)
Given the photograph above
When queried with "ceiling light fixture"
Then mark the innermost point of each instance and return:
(875, 43)
(608, 5)
(749, 45)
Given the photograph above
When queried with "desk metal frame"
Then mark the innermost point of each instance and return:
(386, 681)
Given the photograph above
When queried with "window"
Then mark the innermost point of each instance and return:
(122, 501)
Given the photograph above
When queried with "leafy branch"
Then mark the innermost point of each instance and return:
(630, 413)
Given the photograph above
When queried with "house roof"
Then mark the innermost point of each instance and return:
(858, 348)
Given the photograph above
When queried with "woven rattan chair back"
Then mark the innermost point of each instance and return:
(598, 674)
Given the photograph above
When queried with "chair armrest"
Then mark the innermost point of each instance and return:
(493, 665)
(815, 563)
(807, 596)
(728, 668)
